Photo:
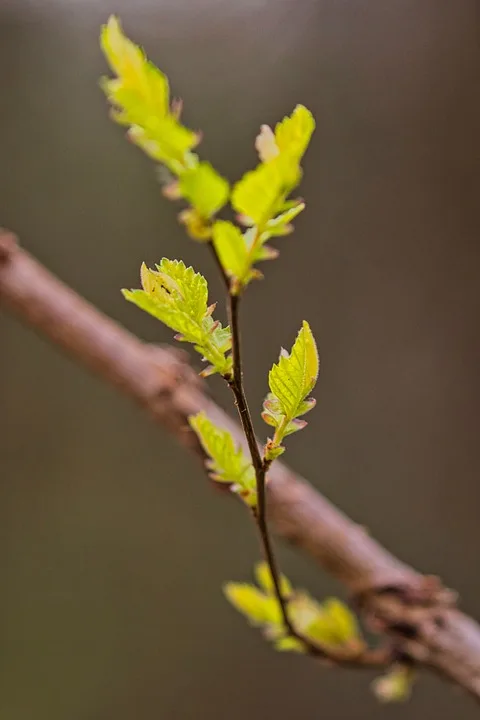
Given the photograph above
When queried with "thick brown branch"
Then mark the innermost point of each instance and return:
(412, 609)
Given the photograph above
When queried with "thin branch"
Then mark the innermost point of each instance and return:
(237, 386)
(414, 610)
(366, 658)
(260, 512)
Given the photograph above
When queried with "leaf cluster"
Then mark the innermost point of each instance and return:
(178, 297)
(330, 624)
(225, 461)
(175, 294)
(140, 98)
(291, 381)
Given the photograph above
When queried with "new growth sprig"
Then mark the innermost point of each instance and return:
(176, 295)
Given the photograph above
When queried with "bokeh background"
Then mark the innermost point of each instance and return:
(113, 547)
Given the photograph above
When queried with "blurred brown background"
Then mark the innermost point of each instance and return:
(113, 549)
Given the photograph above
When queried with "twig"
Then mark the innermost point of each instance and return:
(259, 465)
(410, 608)
(260, 512)
(366, 657)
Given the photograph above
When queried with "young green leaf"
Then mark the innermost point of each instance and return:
(166, 141)
(262, 192)
(291, 381)
(178, 297)
(139, 96)
(342, 620)
(280, 225)
(134, 71)
(258, 608)
(330, 623)
(235, 253)
(205, 189)
(140, 99)
(227, 463)
(293, 133)
(258, 195)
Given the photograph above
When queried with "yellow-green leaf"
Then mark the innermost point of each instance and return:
(166, 141)
(204, 188)
(280, 225)
(258, 608)
(130, 64)
(140, 98)
(258, 195)
(304, 610)
(342, 620)
(330, 623)
(231, 249)
(293, 133)
(178, 296)
(185, 288)
(295, 375)
(169, 315)
(227, 462)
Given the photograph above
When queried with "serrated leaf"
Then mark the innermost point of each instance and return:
(140, 99)
(291, 381)
(293, 133)
(128, 61)
(264, 579)
(178, 296)
(204, 188)
(227, 462)
(169, 316)
(260, 196)
(187, 289)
